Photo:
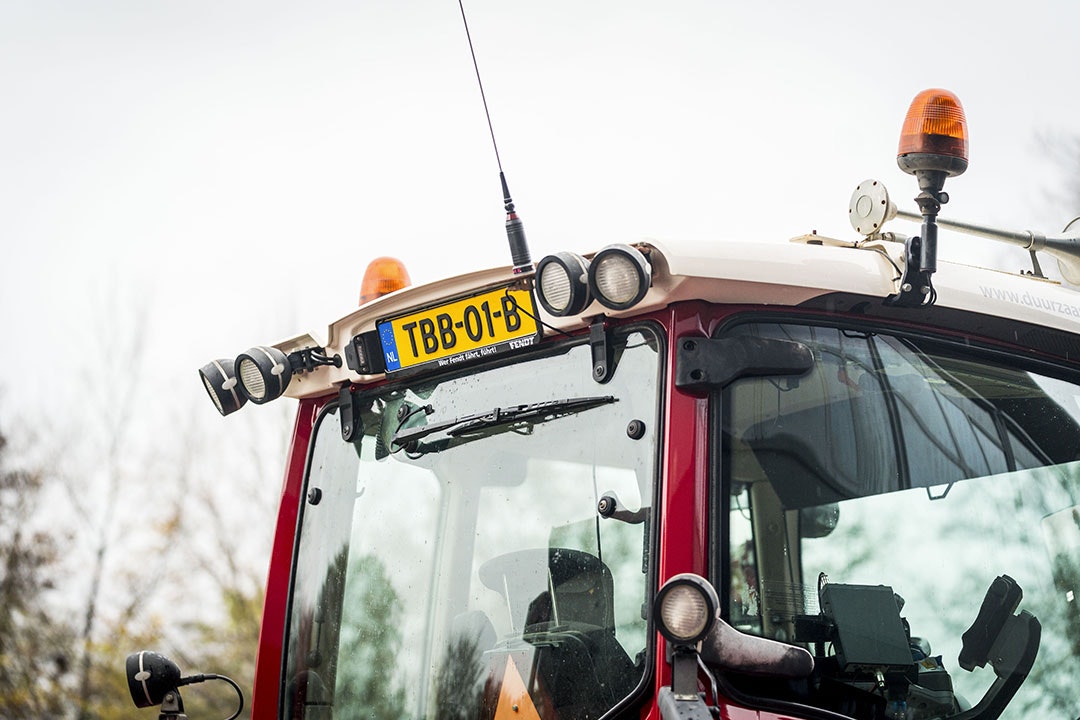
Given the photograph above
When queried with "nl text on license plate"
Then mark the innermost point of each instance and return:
(464, 330)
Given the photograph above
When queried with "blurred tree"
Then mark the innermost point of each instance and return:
(198, 598)
(170, 525)
(109, 697)
(367, 687)
(35, 645)
(1063, 152)
(231, 560)
(459, 680)
(106, 488)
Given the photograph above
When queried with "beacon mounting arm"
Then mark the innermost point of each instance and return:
(933, 147)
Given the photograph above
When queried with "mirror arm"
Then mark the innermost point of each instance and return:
(704, 364)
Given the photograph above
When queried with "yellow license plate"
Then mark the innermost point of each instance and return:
(461, 331)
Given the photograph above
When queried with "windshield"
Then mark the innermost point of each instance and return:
(898, 479)
(467, 572)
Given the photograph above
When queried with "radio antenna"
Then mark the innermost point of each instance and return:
(515, 230)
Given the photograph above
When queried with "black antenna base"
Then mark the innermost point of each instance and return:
(509, 203)
(515, 233)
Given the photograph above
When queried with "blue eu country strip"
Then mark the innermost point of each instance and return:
(389, 346)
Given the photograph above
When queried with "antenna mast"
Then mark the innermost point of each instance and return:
(515, 230)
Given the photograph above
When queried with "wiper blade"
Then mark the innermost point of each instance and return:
(498, 417)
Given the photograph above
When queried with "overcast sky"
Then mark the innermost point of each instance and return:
(232, 166)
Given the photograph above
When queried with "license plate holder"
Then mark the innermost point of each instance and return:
(465, 330)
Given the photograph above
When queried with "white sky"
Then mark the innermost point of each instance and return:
(232, 166)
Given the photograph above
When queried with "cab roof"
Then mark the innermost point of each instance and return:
(810, 271)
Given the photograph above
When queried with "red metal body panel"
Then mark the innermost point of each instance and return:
(684, 528)
(683, 531)
(264, 695)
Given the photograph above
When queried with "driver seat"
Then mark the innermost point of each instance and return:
(561, 603)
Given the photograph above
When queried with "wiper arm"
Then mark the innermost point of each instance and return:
(500, 416)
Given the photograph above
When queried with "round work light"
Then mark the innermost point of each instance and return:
(219, 379)
(150, 677)
(685, 608)
(562, 282)
(619, 276)
(154, 679)
(264, 373)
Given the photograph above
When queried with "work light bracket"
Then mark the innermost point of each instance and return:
(307, 359)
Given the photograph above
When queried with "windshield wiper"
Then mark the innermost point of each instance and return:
(499, 417)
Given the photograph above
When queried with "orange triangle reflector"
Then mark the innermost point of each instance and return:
(514, 700)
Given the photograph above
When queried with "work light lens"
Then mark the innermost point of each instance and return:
(555, 287)
(686, 608)
(252, 379)
(616, 279)
(263, 373)
(219, 380)
(619, 276)
(563, 283)
(685, 612)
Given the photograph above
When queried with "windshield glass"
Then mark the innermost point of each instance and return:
(912, 466)
(467, 572)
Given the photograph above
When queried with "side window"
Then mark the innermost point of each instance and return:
(890, 487)
(744, 609)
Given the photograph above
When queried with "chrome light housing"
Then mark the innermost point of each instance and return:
(619, 276)
(562, 283)
(685, 609)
